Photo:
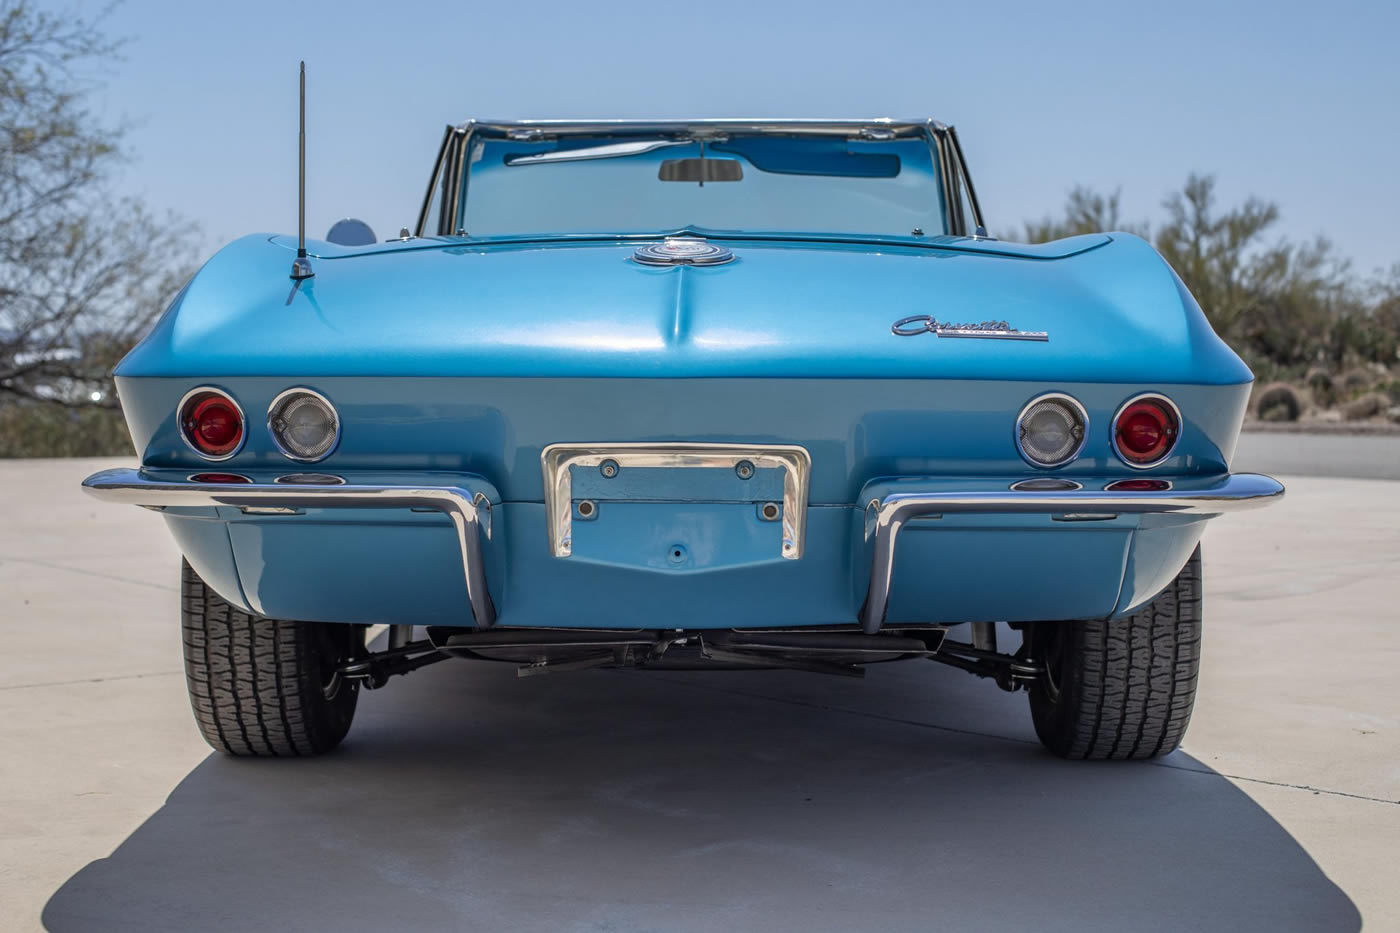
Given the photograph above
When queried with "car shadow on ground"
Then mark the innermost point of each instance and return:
(466, 798)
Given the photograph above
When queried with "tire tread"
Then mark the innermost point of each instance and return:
(1130, 684)
(255, 683)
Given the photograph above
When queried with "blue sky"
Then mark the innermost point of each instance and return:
(1296, 102)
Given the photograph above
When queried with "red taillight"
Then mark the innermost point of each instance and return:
(1145, 431)
(211, 423)
(219, 478)
(1138, 485)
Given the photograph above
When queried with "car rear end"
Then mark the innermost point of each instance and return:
(683, 503)
(689, 444)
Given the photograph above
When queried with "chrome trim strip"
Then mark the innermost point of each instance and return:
(540, 129)
(556, 460)
(1069, 458)
(1238, 492)
(131, 487)
(277, 442)
(180, 423)
(1113, 429)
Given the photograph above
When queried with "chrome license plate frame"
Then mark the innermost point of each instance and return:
(557, 461)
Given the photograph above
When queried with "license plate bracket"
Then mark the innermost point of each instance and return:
(662, 475)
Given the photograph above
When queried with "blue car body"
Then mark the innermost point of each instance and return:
(456, 360)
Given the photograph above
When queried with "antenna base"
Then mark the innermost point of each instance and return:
(301, 268)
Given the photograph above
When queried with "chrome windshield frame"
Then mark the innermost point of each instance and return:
(435, 180)
(940, 138)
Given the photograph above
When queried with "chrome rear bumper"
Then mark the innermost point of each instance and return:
(886, 513)
(885, 516)
(470, 513)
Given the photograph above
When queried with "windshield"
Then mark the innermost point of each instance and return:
(755, 183)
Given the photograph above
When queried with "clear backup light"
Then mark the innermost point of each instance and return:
(211, 423)
(1145, 430)
(1051, 429)
(303, 425)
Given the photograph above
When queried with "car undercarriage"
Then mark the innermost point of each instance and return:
(841, 650)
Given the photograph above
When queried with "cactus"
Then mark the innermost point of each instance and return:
(1357, 380)
(1278, 401)
(1319, 382)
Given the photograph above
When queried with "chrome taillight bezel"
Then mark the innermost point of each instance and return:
(1070, 457)
(1171, 448)
(277, 441)
(184, 436)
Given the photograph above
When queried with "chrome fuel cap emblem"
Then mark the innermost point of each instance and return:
(682, 251)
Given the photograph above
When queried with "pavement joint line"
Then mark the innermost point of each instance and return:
(90, 680)
(1207, 771)
(1286, 784)
(164, 588)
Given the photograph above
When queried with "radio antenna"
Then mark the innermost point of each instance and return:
(301, 266)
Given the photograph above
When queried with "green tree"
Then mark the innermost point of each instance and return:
(1280, 304)
(1086, 211)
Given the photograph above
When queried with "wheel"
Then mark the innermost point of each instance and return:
(1121, 689)
(264, 687)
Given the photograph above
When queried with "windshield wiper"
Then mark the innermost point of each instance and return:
(608, 151)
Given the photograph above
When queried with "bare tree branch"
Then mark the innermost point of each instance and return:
(82, 273)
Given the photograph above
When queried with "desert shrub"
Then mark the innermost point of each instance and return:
(1278, 401)
(1319, 381)
(1282, 305)
(1366, 406)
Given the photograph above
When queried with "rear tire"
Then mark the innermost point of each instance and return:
(264, 687)
(1121, 689)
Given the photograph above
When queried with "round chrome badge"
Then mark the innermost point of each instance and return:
(682, 251)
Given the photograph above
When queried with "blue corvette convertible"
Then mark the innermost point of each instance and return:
(688, 394)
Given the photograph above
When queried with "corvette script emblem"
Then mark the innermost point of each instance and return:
(992, 330)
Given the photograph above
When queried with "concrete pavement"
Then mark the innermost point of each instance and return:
(917, 799)
(1360, 456)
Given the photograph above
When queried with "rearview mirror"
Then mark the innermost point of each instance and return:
(701, 170)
